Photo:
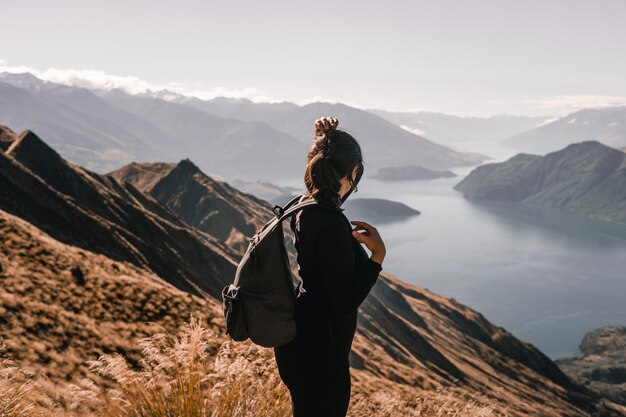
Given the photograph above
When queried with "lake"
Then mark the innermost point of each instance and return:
(545, 275)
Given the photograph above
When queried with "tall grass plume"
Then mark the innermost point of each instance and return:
(198, 374)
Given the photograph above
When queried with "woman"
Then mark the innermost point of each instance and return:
(337, 275)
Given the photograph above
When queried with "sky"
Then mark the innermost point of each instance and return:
(465, 57)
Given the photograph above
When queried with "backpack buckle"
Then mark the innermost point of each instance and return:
(278, 211)
(253, 240)
(229, 295)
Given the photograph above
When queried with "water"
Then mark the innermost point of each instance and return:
(545, 275)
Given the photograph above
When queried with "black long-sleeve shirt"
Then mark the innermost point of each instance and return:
(337, 275)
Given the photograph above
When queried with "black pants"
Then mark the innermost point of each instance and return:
(317, 374)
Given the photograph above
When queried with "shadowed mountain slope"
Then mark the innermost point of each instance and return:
(433, 340)
(95, 212)
(208, 204)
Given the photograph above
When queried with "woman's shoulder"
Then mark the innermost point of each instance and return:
(318, 218)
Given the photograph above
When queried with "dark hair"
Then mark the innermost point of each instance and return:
(332, 156)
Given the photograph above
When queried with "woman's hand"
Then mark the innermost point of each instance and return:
(325, 124)
(371, 238)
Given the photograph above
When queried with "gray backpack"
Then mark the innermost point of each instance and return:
(260, 303)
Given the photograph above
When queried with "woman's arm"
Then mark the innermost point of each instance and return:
(346, 284)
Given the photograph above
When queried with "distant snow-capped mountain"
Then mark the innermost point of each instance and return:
(452, 130)
(606, 125)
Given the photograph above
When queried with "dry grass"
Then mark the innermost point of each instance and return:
(15, 387)
(191, 375)
(195, 374)
(445, 401)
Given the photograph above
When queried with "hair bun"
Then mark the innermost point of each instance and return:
(323, 145)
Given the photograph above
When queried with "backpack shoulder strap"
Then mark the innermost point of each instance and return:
(298, 206)
(290, 209)
(278, 210)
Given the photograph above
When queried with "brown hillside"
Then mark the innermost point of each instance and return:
(407, 338)
(61, 306)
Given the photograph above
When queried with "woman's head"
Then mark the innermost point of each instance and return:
(332, 158)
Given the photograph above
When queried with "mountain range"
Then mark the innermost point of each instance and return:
(233, 139)
(384, 143)
(79, 246)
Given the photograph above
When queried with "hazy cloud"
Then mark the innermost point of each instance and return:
(96, 79)
(250, 93)
(569, 103)
(100, 80)
(577, 102)
(418, 110)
